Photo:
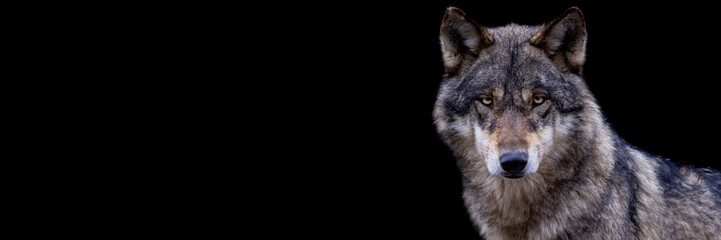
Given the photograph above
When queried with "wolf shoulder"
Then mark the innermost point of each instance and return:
(672, 175)
(677, 181)
(676, 200)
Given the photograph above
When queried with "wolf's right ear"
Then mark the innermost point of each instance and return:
(461, 40)
(564, 40)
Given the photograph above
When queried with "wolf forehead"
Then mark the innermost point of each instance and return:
(510, 64)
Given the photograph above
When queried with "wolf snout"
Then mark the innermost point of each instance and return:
(514, 162)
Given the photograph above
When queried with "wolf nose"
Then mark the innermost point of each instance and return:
(513, 162)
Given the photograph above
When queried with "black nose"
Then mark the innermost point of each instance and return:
(514, 162)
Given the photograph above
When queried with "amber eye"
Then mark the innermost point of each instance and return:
(486, 100)
(537, 100)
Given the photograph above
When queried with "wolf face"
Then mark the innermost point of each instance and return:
(511, 94)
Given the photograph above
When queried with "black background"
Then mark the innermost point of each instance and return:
(360, 81)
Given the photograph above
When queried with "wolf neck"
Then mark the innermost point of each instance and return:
(502, 206)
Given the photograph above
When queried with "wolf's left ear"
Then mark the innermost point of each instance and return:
(462, 39)
(564, 40)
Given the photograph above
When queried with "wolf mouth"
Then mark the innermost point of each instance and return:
(513, 176)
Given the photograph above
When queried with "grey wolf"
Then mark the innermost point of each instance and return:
(538, 159)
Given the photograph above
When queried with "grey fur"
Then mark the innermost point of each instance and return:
(587, 183)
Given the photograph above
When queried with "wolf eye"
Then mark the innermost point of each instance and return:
(486, 100)
(537, 100)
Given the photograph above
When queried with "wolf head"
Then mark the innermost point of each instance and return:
(512, 97)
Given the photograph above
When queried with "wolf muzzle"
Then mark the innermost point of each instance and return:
(513, 164)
